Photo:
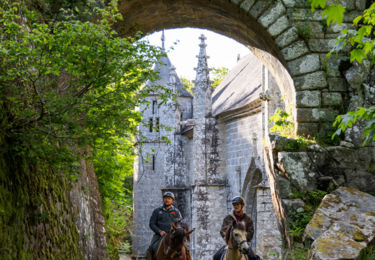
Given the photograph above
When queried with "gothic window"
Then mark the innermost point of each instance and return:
(150, 123)
(157, 126)
(154, 105)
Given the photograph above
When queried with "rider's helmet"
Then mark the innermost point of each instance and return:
(238, 199)
(168, 194)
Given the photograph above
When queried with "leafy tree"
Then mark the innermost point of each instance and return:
(362, 42)
(70, 84)
(188, 85)
(218, 74)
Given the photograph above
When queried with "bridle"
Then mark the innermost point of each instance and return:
(176, 252)
(237, 244)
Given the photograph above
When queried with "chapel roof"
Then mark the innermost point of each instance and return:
(165, 69)
(240, 87)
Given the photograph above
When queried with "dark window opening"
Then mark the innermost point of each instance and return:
(157, 124)
(150, 122)
(154, 104)
(153, 162)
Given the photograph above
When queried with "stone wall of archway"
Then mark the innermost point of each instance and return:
(290, 40)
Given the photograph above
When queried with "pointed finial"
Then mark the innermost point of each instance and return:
(163, 41)
(202, 76)
(203, 39)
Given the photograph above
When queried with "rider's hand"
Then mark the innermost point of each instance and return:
(162, 233)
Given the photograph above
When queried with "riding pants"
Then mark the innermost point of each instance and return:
(154, 245)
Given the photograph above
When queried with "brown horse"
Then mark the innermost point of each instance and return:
(236, 241)
(172, 246)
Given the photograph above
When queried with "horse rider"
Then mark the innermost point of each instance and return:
(238, 214)
(161, 221)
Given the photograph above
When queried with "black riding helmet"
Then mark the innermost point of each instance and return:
(168, 194)
(238, 199)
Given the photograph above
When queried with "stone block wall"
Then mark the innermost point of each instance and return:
(242, 142)
(268, 237)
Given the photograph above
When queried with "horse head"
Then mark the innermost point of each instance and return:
(180, 230)
(238, 236)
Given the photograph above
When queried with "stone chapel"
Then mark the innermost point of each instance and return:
(214, 152)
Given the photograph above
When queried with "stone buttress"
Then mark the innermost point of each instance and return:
(208, 193)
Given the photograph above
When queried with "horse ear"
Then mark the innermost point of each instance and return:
(234, 224)
(188, 234)
(191, 231)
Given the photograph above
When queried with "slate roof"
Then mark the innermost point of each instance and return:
(240, 87)
(164, 68)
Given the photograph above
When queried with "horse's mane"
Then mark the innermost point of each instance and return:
(178, 235)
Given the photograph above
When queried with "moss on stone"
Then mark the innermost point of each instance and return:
(359, 236)
(36, 220)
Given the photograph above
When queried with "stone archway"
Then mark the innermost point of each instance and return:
(274, 31)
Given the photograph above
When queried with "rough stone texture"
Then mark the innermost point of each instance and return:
(342, 226)
(303, 14)
(247, 4)
(308, 128)
(310, 29)
(269, 242)
(332, 99)
(295, 3)
(295, 50)
(337, 84)
(350, 5)
(296, 165)
(305, 64)
(293, 204)
(357, 74)
(331, 65)
(316, 115)
(287, 37)
(360, 4)
(278, 26)
(86, 202)
(270, 16)
(258, 8)
(321, 45)
(308, 98)
(315, 80)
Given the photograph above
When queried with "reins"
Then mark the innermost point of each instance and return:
(238, 245)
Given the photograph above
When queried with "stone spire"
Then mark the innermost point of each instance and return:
(173, 79)
(163, 41)
(202, 79)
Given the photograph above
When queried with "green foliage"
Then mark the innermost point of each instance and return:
(114, 169)
(69, 89)
(368, 253)
(349, 119)
(361, 40)
(188, 85)
(298, 253)
(282, 123)
(218, 74)
(298, 219)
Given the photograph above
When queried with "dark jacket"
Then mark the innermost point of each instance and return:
(162, 219)
(228, 221)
